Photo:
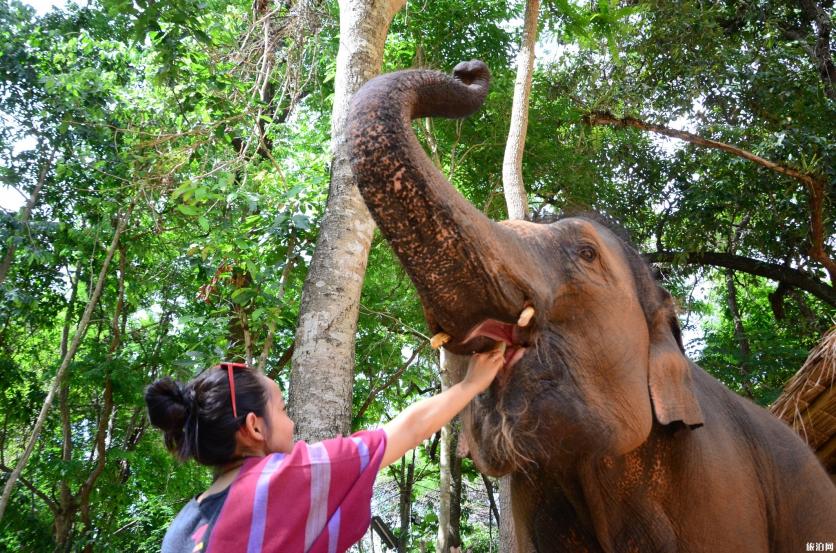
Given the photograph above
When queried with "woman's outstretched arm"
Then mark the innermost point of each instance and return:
(423, 418)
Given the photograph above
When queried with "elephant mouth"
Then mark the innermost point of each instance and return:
(490, 332)
(495, 423)
(485, 336)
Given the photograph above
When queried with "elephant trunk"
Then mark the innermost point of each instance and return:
(464, 266)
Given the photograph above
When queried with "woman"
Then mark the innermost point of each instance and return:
(272, 495)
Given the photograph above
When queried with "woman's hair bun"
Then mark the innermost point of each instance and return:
(167, 406)
(168, 409)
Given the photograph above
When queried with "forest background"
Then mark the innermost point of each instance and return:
(174, 158)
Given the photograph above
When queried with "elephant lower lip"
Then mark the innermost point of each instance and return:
(512, 355)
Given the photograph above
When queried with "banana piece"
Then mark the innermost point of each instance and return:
(439, 340)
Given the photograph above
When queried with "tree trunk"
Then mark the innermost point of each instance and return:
(62, 527)
(517, 202)
(455, 539)
(405, 485)
(450, 465)
(323, 359)
(739, 333)
(65, 362)
(512, 181)
(507, 536)
(446, 453)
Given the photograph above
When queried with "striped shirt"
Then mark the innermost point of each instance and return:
(315, 499)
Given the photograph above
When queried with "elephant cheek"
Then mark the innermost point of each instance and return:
(631, 414)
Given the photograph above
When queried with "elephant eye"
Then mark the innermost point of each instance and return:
(587, 253)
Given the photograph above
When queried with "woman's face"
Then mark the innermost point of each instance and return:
(279, 426)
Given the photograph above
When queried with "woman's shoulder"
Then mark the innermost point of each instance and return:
(355, 452)
(190, 524)
(361, 445)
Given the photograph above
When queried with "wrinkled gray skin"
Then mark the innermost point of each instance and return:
(614, 440)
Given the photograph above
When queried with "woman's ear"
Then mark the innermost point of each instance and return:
(252, 433)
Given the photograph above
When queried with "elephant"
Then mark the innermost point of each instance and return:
(613, 439)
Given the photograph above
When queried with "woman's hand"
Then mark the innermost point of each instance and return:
(421, 420)
(483, 367)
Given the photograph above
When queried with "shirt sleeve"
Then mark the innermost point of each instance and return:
(343, 471)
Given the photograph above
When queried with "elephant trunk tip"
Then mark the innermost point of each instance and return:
(471, 71)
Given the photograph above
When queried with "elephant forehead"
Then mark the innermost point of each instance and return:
(549, 235)
(525, 228)
(570, 226)
(579, 227)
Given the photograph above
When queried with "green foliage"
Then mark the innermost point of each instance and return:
(779, 347)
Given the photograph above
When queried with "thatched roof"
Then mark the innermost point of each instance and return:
(808, 402)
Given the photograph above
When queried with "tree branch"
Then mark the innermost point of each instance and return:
(816, 186)
(271, 327)
(491, 500)
(773, 271)
(373, 394)
(27, 212)
(63, 397)
(822, 56)
(53, 506)
(81, 331)
(101, 435)
(403, 326)
(107, 396)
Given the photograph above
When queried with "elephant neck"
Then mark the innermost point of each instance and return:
(605, 503)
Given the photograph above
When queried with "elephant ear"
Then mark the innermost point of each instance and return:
(670, 379)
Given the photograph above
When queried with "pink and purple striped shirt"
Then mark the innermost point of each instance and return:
(316, 499)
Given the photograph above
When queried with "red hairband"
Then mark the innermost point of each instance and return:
(229, 367)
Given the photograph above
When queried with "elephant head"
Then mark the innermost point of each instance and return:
(602, 355)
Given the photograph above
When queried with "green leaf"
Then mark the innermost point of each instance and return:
(301, 221)
(243, 295)
(253, 269)
(187, 209)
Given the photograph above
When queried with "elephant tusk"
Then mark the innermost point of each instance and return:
(439, 340)
(525, 316)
